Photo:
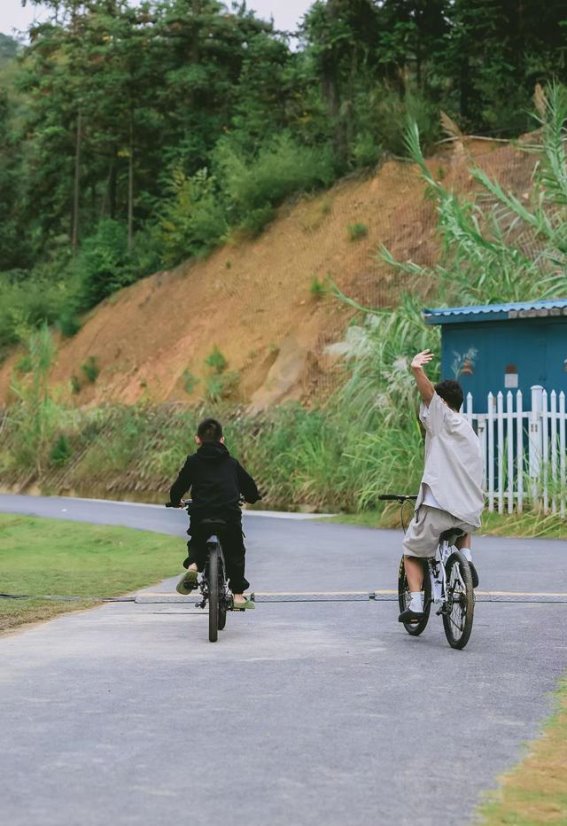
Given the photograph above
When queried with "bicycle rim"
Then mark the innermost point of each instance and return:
(414, 629)
(458, 619)
(213, 594)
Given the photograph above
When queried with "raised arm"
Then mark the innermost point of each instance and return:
(425, 387)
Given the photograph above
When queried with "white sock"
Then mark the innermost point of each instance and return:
(416, 602)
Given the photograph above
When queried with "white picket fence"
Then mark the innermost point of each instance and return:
(524, 451)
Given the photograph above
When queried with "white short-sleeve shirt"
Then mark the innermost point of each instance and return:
(453, 462)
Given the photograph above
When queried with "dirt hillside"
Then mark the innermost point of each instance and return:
(254, 300)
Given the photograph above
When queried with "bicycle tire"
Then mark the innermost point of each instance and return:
(414, 629)
(458, 623)
(222, 600)
(213, 578)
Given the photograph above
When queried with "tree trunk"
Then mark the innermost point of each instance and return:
(131, 186)
(76, 187)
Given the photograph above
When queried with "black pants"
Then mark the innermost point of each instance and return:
(232, 541)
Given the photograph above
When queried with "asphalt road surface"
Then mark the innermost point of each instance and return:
(303, 713)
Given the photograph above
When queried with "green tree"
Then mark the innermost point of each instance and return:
(9, 49)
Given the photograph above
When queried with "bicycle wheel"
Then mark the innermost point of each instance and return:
(414, 628)
(458, 618)
(213, 593)
(222, 592)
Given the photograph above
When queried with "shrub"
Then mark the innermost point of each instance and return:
(104, 264)
(24, 364)
(27, 300)
(317, 289)
(35, 415)
(61, 451)
(75, 384)
(68, 324)
(382, 117)
(281, 168)
(216, 361)
(255, 222)
(221, 386)
(193, 220)
(357, 231)
(189, 381)
(91, 369)
(366, 150)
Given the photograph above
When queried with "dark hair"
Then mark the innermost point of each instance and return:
(210, 430)
(451, 392)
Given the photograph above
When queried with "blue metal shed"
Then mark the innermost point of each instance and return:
(496, 347)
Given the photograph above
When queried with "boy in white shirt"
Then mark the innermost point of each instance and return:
(450, 494)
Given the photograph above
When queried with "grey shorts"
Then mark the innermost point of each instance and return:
(424, 530)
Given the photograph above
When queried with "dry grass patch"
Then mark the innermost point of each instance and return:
(535, 792)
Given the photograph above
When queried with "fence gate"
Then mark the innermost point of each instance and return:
(523, 450)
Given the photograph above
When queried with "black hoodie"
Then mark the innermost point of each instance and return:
(217, 482)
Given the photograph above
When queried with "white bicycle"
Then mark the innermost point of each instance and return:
(447, 585)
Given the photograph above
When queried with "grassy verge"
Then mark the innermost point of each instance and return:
(528, 524)
(53, 557)
(535, 792)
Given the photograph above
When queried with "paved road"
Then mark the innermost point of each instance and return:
(302, 713)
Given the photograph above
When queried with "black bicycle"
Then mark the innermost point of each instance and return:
(212, 582)
(447, 583)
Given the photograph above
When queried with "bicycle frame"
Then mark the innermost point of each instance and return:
(438, 573)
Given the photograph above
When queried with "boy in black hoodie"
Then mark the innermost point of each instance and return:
(217, 483)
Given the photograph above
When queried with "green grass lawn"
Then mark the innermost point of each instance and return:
(53, 557)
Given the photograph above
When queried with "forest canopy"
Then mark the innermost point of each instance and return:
(133, 137)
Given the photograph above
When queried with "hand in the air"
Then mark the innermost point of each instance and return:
(421, 358)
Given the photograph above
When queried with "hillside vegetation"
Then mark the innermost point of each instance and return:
(264, 305)
(133, 138)
(197, 215)
(502, 240)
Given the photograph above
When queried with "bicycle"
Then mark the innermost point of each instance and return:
(447, 583)
(212, 582)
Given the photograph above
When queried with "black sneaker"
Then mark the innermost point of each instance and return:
(408, 616)
(187, 582)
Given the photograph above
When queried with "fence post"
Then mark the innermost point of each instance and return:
(469, 408)
(500, 453)
(535, 440)
(520, 449)
(562, 429)
(510, 448)
(490, 458)
(545, 450)
(553, 448)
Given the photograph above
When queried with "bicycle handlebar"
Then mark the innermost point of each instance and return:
(396, 497)
(184, 503)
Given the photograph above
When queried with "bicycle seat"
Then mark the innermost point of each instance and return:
(451, 535)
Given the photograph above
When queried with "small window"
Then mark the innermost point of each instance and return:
(511, 377)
